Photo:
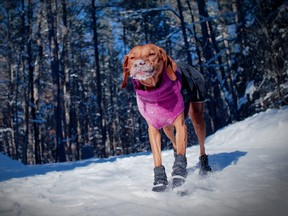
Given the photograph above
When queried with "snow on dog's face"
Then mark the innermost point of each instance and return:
(142, 70)
(145, 63)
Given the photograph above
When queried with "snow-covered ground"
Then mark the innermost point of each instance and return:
(249, 159)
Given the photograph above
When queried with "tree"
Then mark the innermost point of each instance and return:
(60, 69)
(183, 27)
(54, 55)
(32, 82)
(215, 106)
(97, 76)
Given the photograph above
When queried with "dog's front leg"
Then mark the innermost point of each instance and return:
(169, 132)
(181, 134)
(155, 143)
(179, 172)
(160, 177)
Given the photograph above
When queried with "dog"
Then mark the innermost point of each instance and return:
(164, 103)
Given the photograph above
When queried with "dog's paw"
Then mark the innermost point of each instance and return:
(159, 187)
(177, 181)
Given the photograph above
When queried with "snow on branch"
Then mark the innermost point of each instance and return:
(130, 14)
(169, 36)
(2, 130)
(214, 58)
(216, 17)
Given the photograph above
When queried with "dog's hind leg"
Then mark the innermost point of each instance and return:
(196, 114)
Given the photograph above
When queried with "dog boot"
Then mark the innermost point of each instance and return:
(174, 152)
(204, 165)
(160, 179)
(179, 172)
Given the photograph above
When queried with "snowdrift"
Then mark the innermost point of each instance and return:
(250, 177)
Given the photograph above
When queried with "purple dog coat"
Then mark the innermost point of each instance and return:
(162, 105)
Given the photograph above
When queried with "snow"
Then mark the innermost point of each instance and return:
(243, 100)
(250, 177)
(250, 89)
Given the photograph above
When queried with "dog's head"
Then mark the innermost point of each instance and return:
(145, 63)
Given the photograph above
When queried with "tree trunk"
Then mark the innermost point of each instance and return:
(54, 51)
(215, 107)
(189, 57)
(228, 77)
(98, 74)
(11, 113)
(197, 41)
(66, 76)
(32, 88)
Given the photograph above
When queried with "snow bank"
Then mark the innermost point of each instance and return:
(249, 159)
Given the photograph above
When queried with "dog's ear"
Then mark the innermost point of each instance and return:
(171, 68)
(169, 64)
(125, 72)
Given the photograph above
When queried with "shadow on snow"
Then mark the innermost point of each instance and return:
(31, 170)
(218, 162)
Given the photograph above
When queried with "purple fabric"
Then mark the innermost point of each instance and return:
(162, 105)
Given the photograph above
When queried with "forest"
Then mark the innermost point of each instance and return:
(61, 69)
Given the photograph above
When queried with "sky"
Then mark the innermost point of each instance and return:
(248, 158)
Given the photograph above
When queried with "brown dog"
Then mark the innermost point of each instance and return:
(158, 84)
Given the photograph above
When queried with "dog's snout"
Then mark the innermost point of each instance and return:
(139, 63)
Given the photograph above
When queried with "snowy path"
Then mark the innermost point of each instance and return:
(249, 160)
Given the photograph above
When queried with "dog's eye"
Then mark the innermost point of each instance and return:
(132, 57)
(152, 54)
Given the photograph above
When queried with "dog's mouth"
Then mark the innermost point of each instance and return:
(141, 70)
(142, 75)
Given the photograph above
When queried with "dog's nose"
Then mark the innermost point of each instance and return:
(139, 63)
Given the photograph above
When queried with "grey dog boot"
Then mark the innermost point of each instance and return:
(160, 179)
(204, 165)
(179, 172)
